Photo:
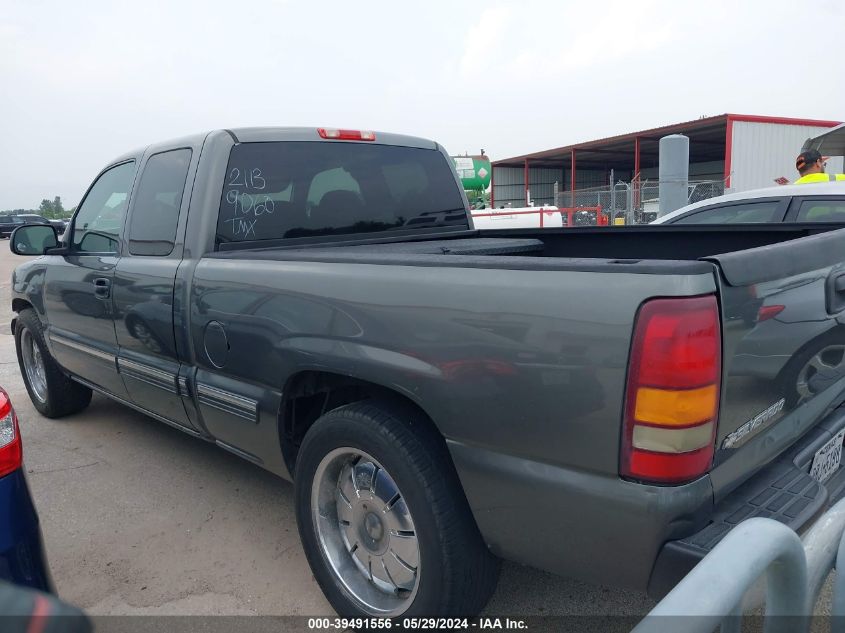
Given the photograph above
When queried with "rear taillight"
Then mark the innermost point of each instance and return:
(346, 135)
(672, 395)
(11, 455)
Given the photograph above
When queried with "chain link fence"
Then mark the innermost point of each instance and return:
(614, 200)
(706, 189)
(636, 202)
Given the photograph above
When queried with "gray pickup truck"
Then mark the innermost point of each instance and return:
(604, 403)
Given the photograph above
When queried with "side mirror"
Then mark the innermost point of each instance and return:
(33, 239)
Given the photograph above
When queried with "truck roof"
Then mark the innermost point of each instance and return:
(276, 133)
(257, 134)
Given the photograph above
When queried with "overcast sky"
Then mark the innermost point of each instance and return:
(81, 82)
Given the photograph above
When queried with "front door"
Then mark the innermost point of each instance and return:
(78, 285)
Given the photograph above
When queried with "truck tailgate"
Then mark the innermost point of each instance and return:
(782, 308)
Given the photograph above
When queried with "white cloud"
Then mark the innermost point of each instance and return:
(80, 87)
(546, 40)
(484, 39)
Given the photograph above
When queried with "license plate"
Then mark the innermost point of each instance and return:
(827, 459)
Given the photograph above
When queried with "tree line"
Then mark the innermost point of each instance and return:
(50, 209)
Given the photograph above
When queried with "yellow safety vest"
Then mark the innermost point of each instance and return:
(809, 178)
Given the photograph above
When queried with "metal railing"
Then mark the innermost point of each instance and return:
(636, 201)
(725, 584)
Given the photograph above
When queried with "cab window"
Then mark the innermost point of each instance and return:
(295, 190)
(156, 205)
(329, 181)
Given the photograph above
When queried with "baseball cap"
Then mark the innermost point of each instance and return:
(808, 158)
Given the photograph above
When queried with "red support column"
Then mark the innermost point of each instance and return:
(636, 175)
(729, 139)
(572, 180)
(636, 156)
(525, 180)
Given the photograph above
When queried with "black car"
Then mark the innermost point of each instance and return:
(32, 218)
(10, 221)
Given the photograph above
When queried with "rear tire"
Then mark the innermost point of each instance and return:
(51, 391)
(419, 552)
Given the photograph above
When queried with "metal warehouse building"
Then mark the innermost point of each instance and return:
(729, 152)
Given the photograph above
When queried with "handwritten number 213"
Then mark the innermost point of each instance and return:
(249, 178)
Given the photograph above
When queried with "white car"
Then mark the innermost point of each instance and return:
(822, 202)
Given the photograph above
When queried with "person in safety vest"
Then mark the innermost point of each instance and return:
(810, 166)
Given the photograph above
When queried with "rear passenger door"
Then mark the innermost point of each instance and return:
(144, 285)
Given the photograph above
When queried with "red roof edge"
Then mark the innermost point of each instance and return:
(782, 120)
(666, 129)
(669, 129)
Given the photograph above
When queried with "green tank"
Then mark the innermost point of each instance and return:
(474, 171)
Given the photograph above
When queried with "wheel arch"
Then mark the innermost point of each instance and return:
(309, 394)
(18, 306)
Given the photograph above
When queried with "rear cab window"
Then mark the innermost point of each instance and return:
(299, 189)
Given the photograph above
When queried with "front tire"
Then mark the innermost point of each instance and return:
(51, 391)
(383, 519)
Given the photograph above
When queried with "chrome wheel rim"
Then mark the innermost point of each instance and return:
(366, 532)
(33, 364)
(829, 360)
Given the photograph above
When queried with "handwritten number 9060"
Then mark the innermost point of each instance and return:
(250, 204)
